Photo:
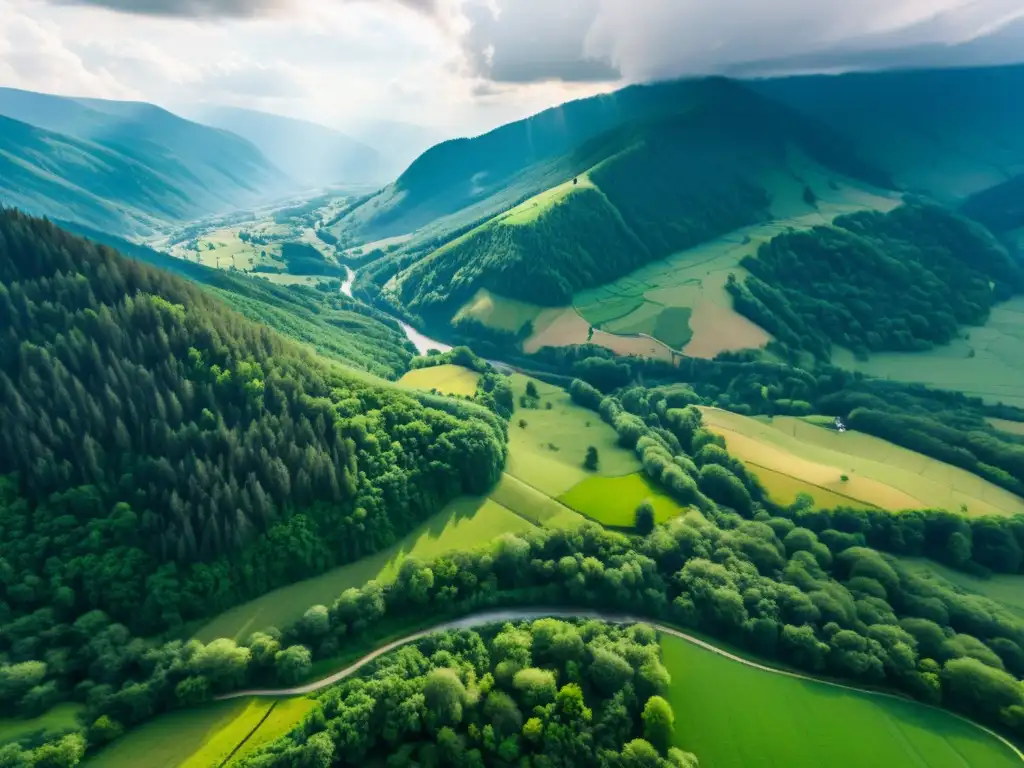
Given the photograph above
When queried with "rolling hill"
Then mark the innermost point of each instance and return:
(309, 153)
(644, 190)
(125, 166)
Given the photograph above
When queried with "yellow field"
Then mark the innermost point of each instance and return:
(563, 326)
(613, 500)
(446, 379)
(880, 473)
(497, 311)
(785, 488)
(549, 452)
(1012, 427)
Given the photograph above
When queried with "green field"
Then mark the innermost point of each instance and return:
(549, 452)
(734, 716)
(613, 500)
(536, 206)
(988, 363)
(1006, 589)
(878, 472)
(204, 737)
(62, 717)
(446, 379)
(282, 718)
(534, 505)
(463, 524)
(170, 740)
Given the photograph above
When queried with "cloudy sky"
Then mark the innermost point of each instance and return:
(465, 65)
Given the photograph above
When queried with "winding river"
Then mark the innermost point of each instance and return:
(423, 344)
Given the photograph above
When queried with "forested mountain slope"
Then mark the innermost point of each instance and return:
(902, 281)
(309, 153)
(522, 158)
(946, 133)
(649, 189)
(168, 457)
(999, 208)
(330, 322)
(144, 160)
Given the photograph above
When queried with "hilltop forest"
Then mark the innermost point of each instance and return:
(168, 458)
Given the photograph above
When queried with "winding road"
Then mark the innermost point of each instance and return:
(530, 614)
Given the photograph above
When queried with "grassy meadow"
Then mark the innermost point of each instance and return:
(497, 311)
(173, 739)
(533, 505)
(784, 489)
(735, 716)
(613, 501)
(463, 524)
(205, 737)
(878, 473)
(446, 379)
(548, 453)
(987, 363)
(1010, 427)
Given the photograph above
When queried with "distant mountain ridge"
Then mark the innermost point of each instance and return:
(124, 165)
(308, 152)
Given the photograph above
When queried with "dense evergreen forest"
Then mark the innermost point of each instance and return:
(1000, 208)
(907, 280)
(328, 321)
(169, 458)
(658, 187)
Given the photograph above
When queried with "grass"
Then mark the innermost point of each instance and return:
(282, 719)
(463, 524)
(446, 379)
(989, 363)
(564, 326)
(879, 473)
(62, 717)
(218, 747)
(548, 453)
(171, 740)
(497, 311)
(1008, 590)
(528, 502)
(537, 206)
(733, 716)
(613, 500)
(784, 490)
(673, 326)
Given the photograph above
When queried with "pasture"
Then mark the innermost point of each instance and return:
(735, 716)
(496, 311)
(878, 473)
(463, 524)
(564, 326)
(987, 363)
(537, 206)
(174, 738)
(533, 505)
(548, 453)
(204, 737)
(62, 717)
(1010, 427)
(784, 489)
(613, 501)
(446, 379)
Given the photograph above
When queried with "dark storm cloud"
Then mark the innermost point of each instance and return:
(222, 8)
